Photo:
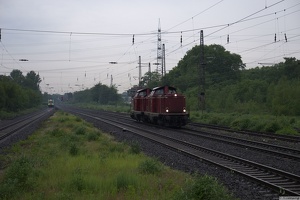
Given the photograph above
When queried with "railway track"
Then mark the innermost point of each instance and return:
(277, 150)
(18, 125)
(288, 138)
(280, 181)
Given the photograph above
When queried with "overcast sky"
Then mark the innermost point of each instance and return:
(70, 43)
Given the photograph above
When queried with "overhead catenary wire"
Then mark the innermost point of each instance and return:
(129, 52)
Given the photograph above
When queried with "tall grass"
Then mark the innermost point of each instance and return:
(264, 123)
(80, 162)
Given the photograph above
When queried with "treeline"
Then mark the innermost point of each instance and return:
(229, 87)
(18, 92)
(100, 93)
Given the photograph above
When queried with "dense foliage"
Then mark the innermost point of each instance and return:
(232, 88)
(18, 92)
(100, 93)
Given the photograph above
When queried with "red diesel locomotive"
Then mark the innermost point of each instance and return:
(161, 105)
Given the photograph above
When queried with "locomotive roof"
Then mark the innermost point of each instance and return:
(170, 87)
(144, 89)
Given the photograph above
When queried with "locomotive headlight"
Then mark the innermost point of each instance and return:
(184, 110)
(175, 95)
(167, 109)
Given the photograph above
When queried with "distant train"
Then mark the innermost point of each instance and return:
(160, 105)
(50, 103)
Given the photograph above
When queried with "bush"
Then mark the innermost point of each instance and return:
(17, 178)
(273, 126)
(78, 119)
(135, 148)
(150, 166)
(241, 123)
(56, 132)
(80, 130)
(92, 136)
(203, 187)
(124, 181)
(73, 150)
(287, 131)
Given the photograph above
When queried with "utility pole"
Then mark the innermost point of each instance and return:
(163, 61)
(201, 74)
(111, 80)
(149, 71)
(140, 71)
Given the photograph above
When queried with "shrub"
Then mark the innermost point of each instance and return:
(241, 124)
(56, 132)
(17, 178)
(78, 119)
(135, 148)
(287, 131)
(80, 130)
(124, 181)
(92, 136)
(150, 166)
(73, 150)
(116, 148)
(203, 187)
(63, 119)
(273, 126)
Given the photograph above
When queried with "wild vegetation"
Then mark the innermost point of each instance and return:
(100, 94)
(18, 92)
(232, 88)
(69, 159)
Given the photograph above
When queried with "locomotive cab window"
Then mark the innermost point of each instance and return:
(142, 94)
(172, 91)
(159, 91)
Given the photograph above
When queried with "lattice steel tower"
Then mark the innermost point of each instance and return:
(160, 68)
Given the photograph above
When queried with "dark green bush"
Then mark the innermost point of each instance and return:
(135, 148)
(150, 166)
(56, 132)
(92, 136)
(124, 180)
(74, 150)
(80, 130)
(16, 178)
(203, 188)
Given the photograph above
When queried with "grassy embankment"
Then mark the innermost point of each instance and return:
(285, 125)
(67, 158)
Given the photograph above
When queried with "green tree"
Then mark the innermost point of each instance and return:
(292, 68)
(32, 81)
(151, 79)
(221, 66)
(286, 95)
(18, 92)
(17, 76)
(99, 93)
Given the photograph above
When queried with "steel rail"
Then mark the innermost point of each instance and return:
(288, 138)
(20, 124)
(255, 145)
